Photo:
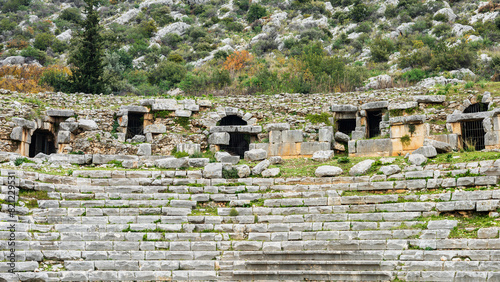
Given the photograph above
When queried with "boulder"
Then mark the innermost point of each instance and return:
(448, 12)
(271, 172)
(390, 169)
(260, 167)
(243, 171)
(255, 155)
(212, 170)
(328, 170)
(14, 60)
(219, 138)
(138, 139)
(417, 159)
(427, 151)
(441, 147)
(276, 160)
(342, 137)
(87, 124)
(322, 156)
(361, 168)
(144, 150)
(379, 82)
(172, 163)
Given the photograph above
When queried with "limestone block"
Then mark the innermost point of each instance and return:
(198, 162)
(271, 172)
(277, 127)
(243, 171)
(87, 124)
(189, 148)
(390, 169)
(292, 136)
(219, 138)
(326, 134)
(182, 113)
(172, 163)
(60, 113)
(17, 134)
(212, 170)
(308, 148)
(155, 128)
(255, 155)
(144, 149)
(165, 105)
(63, 137)
(342, 137)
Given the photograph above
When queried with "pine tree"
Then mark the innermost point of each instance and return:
(87, 56)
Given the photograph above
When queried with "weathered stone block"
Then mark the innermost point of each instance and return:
(155, 128)
(219, 138)
(172, 163)
(255, 155)
(63, 137)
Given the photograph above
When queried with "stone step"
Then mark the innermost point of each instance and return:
(313, 275)
(385, 255)
(121, 275)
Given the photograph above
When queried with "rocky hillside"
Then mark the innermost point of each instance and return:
(265, 46)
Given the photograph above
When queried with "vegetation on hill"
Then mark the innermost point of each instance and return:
(267, 47)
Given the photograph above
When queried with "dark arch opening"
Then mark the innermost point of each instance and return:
(476, 108)
(473, 135)
(135, 125)
(346, 126)
(373, 120)
(239, 143)
(42, 141)
(232, 120)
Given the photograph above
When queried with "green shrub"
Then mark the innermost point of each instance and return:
(36, 54)
(43, 41)
(405, 140)
(180, 154)
(7, 25)
(59, 46)
(441, 30)
(196, 155)
(161, 14)
(71, 15)
(359, 12)
(441, 18)
(414, 75)
(243, 5)
(167, 74)
(171, 40)
(183, 121)
(321, 118)
(255, 12)
(230, 173)
(116, 163)
(234, 26)
(55, 79)
(20, 161)
(343, 160)
(233, 212)
(381, 49)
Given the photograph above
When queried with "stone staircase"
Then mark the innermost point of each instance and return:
(105, 225)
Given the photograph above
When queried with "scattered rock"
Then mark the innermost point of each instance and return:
(260, 167)
(255, 155)
(417, 159)
(441, 147)
(322, 156)
(271, 172)
(342, 137)
(361, 168)
(87, 124)
(276, 160)
(426, 151)
(243, 171)
(328, 170)
(390, 169)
